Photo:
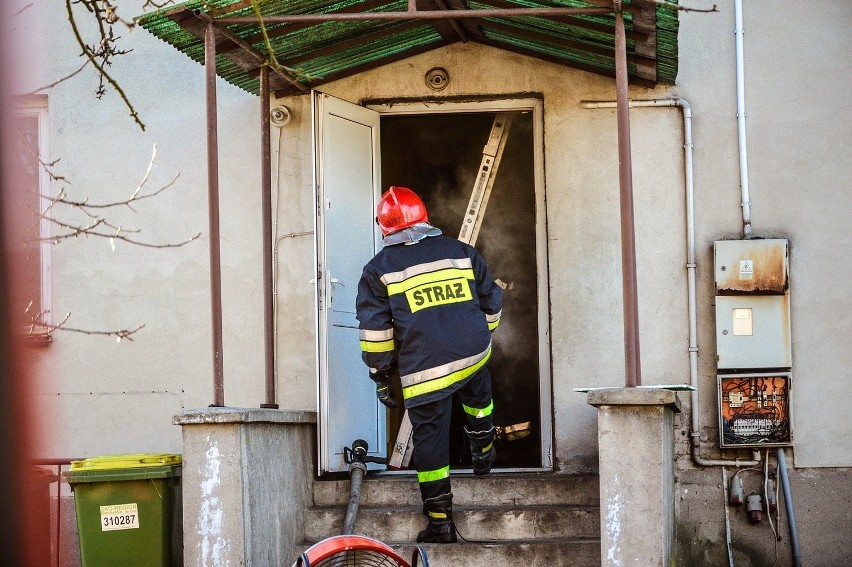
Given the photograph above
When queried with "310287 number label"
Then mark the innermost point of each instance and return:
(119, 517)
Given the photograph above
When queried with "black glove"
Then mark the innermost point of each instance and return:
(384, 393)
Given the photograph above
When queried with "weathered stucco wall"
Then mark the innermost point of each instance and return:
(103, 397)
(797, 121)
(583, 220)
(110, 397)
(795, 164)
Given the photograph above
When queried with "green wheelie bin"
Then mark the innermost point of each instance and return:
(128, 510)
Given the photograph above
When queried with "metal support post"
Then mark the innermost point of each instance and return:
(266, 209)
(213, 213)
(632, 366)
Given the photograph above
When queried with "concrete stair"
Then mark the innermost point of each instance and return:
(505, 519)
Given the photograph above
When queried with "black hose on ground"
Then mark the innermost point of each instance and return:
(357, 470)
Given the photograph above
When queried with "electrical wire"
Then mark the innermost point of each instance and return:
(767, 502)
(728, 541)
(777, 507)
(759, 415)
(276, 239)
(768, 506)
(752, 469)
(274, 258)
(481, 541)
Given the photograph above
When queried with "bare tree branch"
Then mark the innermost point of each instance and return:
(101, 56)
(47, 167)
(23, 9)
(117, 234)
(38, 325)
(51, 211)
(134, 197)
(58, 81)
(54, 209)
(156, 5)
(272, 61)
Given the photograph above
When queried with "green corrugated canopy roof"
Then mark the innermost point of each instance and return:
(310, 53)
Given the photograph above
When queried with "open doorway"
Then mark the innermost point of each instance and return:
(437, 149)
(438, 154)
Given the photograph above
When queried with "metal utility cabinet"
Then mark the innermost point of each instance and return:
(753, 342)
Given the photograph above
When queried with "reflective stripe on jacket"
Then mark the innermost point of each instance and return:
(430, 307)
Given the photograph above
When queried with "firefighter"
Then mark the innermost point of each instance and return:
(426, 307)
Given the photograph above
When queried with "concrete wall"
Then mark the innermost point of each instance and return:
(583, 213)
(583, 222)
(247, 477)
(107, 397)
(796, 118)
(99, 396)
(823, 512)
(797, 161)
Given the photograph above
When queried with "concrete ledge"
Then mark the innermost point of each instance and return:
(634, 397)
(247, 476)
(636, 484)
(242, 415)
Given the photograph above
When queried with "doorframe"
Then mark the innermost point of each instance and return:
(398, 107)
(320, 101)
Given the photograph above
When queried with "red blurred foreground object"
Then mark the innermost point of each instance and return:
(357, 551)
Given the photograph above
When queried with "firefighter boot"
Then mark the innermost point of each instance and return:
(440, 529)
(482, 450)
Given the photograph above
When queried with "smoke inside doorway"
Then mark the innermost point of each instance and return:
(438, 156)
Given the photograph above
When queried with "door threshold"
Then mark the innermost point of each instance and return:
(464, 472)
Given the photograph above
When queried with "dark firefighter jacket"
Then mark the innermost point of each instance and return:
(430, 307)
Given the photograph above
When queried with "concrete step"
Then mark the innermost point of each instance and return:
(528, 519)
(539, 553)
(474, 523)
(503, 489)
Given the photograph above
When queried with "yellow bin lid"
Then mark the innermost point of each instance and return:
(129, 461)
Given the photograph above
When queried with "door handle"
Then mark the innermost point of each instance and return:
(331, 282)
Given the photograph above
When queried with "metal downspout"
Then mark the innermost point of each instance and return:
(632, 361)
(741, 118)
(788, 504)
(695, 408)
(691, 265)
(213, 214)
(266, 210)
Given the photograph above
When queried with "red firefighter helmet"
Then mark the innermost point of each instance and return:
(399, 208)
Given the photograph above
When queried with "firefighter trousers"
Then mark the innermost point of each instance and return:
(431, 431)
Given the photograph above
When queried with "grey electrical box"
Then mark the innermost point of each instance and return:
(753, 342)
(751, 267)
(753, 331)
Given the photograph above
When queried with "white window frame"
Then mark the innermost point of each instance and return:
(37, 106)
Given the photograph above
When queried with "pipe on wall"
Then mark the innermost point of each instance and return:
(686, 110)
(728, 543)
(741, 118)
(788, 504)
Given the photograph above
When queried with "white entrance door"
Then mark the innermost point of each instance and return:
(347, 182)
